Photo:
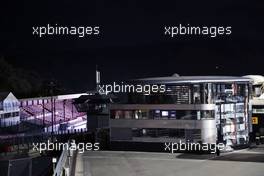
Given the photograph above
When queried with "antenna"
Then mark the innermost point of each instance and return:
(97, 78)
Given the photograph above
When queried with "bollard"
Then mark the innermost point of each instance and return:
(262, 139)
(54, 161)
(257, 140)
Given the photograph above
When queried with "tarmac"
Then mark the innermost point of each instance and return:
(246, 162)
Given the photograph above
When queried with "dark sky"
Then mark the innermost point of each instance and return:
(131, 43)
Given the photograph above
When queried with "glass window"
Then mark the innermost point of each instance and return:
(207, 114)
(156, 114)
(172, 114)
(196, 94)
(164, 114)
(128, 114)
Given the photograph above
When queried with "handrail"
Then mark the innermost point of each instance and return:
(61, 163)
(65, 161)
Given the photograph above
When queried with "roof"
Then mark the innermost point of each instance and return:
(70, 96)
(58, 97)
(193, 79)
(3, 95)
(257, 79)
(257, 101)
(97, 98)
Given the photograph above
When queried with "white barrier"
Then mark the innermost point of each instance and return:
(64, 165)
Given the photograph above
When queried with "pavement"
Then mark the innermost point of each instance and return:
(119, 163)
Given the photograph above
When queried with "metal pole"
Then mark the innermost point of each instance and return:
(235, 122)
(30, 167)
(72, 109)
(64, 115)
(220, 124)
(52, 119)
(9, 167)
(43, 112)
(54, 110)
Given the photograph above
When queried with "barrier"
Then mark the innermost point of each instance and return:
(65, 164)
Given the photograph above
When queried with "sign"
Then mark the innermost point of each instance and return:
(254, 120)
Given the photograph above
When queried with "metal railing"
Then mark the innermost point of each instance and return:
(66, 162)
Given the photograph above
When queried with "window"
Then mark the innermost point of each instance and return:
(7, 115)
(156, 114)
(207, 114)
(160, 132)
(15, 114)
(196, 94)
(164, 114)
(172, 114)
(128, 114)
(141, 114)
(118, 114)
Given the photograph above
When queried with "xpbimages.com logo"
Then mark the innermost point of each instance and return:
(58, 146)
(52, 30)
(131, 88)
(184, 30)
(173, 147)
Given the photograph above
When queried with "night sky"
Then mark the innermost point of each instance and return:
(131, 43)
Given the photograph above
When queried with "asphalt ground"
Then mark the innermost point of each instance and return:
(118, 163)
